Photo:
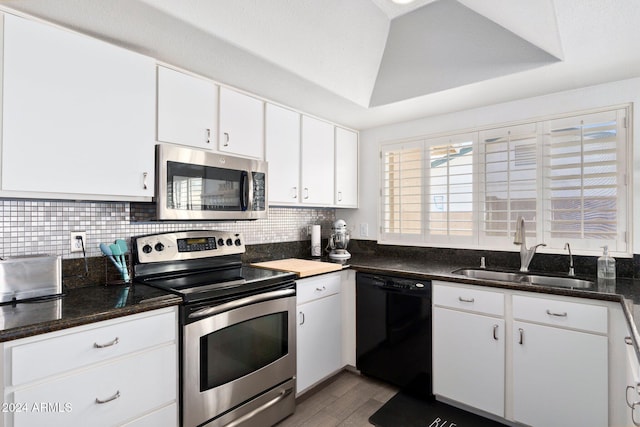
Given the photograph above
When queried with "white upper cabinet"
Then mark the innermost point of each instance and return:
(78, 115)
(346, 168)
(282, 143)
(241, 124)
(317, 180)
(187, 109)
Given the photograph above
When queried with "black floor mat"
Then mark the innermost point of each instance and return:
(404, 410)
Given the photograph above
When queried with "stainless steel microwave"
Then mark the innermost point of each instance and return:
(194, 184)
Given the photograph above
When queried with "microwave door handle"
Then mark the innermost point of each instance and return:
(244, 191)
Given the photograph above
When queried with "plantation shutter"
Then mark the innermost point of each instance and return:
(508, 182)
(450, 189)
(402, 191)
(585, 179)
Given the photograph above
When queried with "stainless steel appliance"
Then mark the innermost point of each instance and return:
(238, 331)
(32, 276)
(196, 184)
(339, 241)
(393, 331)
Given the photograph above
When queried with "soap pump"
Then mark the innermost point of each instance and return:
(606, 266)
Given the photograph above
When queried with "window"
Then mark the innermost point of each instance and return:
(566, 177)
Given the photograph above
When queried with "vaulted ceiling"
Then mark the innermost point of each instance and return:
(365, 63)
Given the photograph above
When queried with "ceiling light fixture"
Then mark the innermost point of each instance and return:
(402, 1)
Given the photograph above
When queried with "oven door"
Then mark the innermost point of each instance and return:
(239, 361)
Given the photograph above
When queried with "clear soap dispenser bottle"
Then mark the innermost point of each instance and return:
(606, 268)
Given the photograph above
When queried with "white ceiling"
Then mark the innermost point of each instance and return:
(335, 58)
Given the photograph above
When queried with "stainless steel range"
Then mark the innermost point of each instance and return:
(238, 341)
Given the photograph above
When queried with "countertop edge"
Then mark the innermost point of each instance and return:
(61, 324)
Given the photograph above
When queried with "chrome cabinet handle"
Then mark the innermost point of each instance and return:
(226, 139)
(208, 135)
(145, 175)
(635, 389)
(495, 332)
(521, 340)
(295, 192)
(302, 317)
(306, 193)
(109, 399)
(109, 344)
(551, 313)
(339, 196)
(633, 412)
(466, 299)
(628, 340)
(322, 289)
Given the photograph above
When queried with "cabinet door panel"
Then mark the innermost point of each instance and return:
(346, 168)
(319, 340)
(317, 162)
(78, 114)
(187, 109)
(559, 377)
(241, 124)
(469, 358)
(282, 139)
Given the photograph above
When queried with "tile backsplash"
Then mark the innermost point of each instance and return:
(43, 226)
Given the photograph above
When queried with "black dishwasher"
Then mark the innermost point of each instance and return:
(393, 331)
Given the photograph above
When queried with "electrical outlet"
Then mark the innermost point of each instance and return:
(76, 243)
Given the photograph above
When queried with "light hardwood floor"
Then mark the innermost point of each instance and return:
(347, 399)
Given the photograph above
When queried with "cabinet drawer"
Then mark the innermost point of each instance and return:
(560, 313)
(312, 288)
(476, 300)
(60, 353)
(127, 388)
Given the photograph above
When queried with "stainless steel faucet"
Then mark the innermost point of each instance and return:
(571, 270)
(520, 238)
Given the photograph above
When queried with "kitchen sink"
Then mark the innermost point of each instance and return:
(525, 278)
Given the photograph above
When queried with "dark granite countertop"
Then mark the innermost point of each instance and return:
(625, 291)
(80, 306)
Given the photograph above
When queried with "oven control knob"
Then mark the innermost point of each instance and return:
(229, 242)
(147, 249)
(159, 247)
(238, 242)
(221, 242)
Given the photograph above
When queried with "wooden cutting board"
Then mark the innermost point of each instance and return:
(302, 267)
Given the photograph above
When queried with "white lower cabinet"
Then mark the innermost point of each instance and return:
(469, 347)
(551, 370)
(319, 329)
(559, 377)
(129, 379)
(561, 370)
(468, 359)
(632, 385)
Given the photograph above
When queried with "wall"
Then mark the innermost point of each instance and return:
(30, 227)
(615, 93)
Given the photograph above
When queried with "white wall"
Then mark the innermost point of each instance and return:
(616, 93)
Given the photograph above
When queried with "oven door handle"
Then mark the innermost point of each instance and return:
(209, 311)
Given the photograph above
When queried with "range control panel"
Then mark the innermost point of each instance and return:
(183, 245)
